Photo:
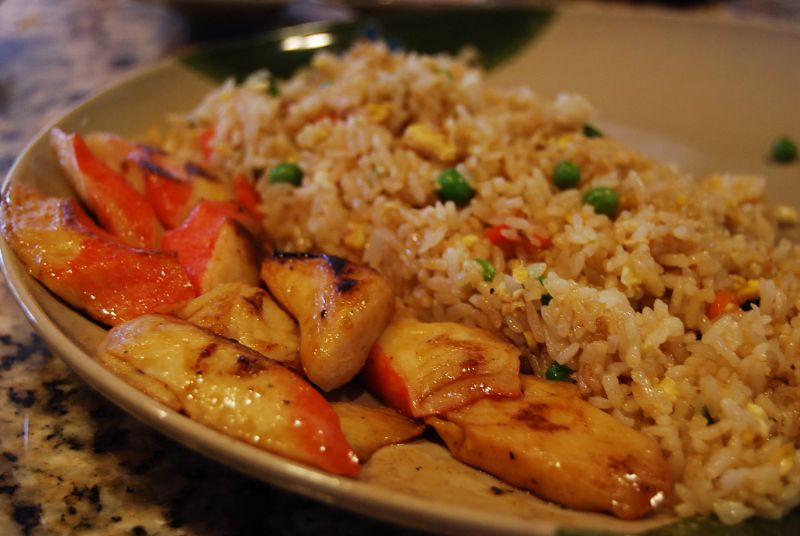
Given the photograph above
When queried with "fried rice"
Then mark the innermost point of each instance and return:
(623, 301)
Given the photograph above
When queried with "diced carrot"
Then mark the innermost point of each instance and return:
(544, 241)
(497, 237)
(724, 301)
(504, 236)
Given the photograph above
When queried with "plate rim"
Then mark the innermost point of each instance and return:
(356, 496)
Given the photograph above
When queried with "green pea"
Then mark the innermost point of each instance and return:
(707, 414)
(452, 186)
(546, 298)
(566, 175)
(590, 131)
(286, 172)
(604, 200)
(784, 149)
(557, 372)
(489, 271)
(273, 87)
(447, 73)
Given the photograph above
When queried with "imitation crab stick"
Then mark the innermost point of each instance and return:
(229, 388)
(114, 151)
(214, 246)
(248, 315)
(424, 368)
(243, 188)
(369, 428)
(118, 206)
(562, 448)
(174, 186)
(341, 308)
(84, 265)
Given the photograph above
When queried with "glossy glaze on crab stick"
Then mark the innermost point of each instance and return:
(425, 368)
(174, 186)
(562, 448)
(230, 388)
(117, 205)
(84, 265)
(248, 315)
(369, 428)
(214, 246)
(341, 307)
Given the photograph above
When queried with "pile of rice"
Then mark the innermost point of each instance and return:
(372, 130)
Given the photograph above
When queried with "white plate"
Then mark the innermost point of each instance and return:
(705, 94)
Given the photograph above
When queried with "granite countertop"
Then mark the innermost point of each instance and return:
(71, 462)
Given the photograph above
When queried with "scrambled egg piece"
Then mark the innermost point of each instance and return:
(429, 142)
(378, 112)
(629, 279)
(758, 412)
(746, 289)
(470, 240)
(564, 140)
(786, 215)
(520, 274)
(355, 237)
(670, 388)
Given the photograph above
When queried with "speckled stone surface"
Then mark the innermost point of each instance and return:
(70, 462)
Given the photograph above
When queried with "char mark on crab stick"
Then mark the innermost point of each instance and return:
(117, 205)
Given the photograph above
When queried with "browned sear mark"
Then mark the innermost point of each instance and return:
(254, 300)
(535, 416)
(207, 351)
(193, 169)
(346, 284)
(152, 167)
(473, 353)
(248, 366)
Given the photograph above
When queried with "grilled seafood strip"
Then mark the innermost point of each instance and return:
(214, 246)
(249, 316)
(562, 448)
(115, 152)
(341, 307)
(369, 428)
(85, 266)
(118, 206)
(174, 186)
(229, 388)
(425, 368)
